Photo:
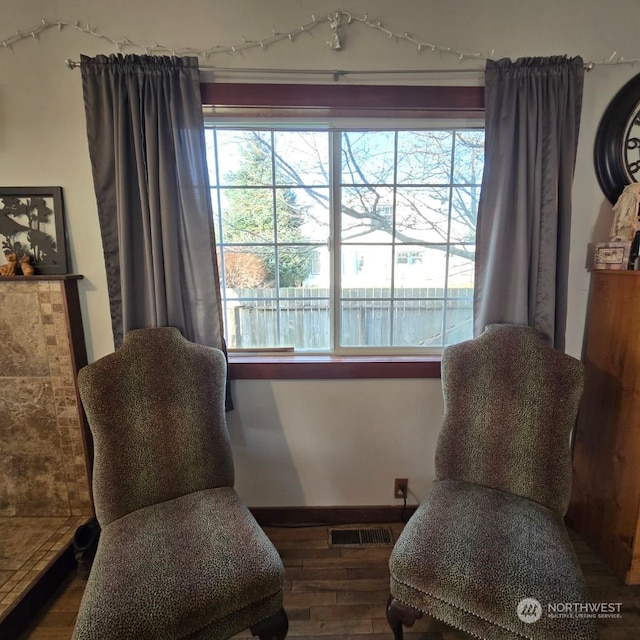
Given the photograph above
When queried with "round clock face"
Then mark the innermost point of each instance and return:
(616, 151)
(631, 146)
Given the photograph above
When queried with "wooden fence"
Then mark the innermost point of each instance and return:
(299, 317)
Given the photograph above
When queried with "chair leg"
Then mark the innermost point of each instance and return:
(399, 614)
(273, 628)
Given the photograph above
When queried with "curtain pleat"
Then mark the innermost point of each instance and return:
(532, 113)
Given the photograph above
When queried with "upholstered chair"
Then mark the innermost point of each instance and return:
(179, 555)
(487, 551)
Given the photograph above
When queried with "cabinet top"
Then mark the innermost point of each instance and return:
(616, 272)
(62, 276)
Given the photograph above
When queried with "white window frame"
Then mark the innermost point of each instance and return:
(338, 125)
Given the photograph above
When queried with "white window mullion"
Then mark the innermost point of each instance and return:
(445, 297)
(335, 237)
(392, 292)
(274, 200)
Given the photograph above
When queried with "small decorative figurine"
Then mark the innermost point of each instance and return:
(9, 269)
(25, 264)
(625, 220)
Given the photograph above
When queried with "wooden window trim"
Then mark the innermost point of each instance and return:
(357, 101)
(336, 101)
(331, 367)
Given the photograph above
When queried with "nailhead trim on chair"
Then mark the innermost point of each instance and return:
(455, 606)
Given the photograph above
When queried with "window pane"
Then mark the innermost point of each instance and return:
(367, 214)
(459, 309)
(294, 267)
(464, 213)
(417, 323)
(217, 229)
(248, 269)
(424, 157)
(368, 157)
(304, 320)
(462, 267)
(247, 215)
(299, 323)
(459, 321)
(314, 208)
(420, 267)
(252, 323)
(366, 269)
(209, 140)
(365, 324)
(303, 214)
(244, 157)
(422, 214)
(413, 266)
(320, 268)
(469, 158)
(302, 157)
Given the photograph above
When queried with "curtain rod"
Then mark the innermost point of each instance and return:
(336, 73)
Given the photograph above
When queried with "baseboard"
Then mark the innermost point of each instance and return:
(305, 516)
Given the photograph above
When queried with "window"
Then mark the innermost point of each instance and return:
(345, 236)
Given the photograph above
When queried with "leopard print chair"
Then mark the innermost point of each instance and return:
(487, 551)
(179, 555)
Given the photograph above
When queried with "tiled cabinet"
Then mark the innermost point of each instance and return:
(44, 484)
(43, 471)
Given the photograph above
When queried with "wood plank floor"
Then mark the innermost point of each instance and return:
(341, 593)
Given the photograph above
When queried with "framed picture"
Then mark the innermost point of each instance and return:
(32, 223)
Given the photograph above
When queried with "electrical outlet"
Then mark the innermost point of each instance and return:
(400, 487)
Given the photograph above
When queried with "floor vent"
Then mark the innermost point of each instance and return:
(360, 537)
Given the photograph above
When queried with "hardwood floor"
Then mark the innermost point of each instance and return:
(340, 593)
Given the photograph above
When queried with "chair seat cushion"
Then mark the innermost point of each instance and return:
(198, 566)
(470, 554)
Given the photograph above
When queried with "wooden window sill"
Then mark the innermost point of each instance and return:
(330, 367)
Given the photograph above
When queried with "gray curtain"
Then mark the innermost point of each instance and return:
(146, 141)
(532, 109)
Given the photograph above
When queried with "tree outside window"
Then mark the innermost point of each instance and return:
(383, 255)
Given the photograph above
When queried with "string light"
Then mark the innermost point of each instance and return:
(337, 20)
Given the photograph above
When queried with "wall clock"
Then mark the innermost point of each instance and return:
(617, 146)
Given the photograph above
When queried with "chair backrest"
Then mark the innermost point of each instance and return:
(155, 408)
(510, 403)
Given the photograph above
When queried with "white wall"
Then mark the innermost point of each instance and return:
(300, 442)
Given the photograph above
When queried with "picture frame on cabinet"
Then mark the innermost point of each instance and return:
(32, 222)
(611, 255)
